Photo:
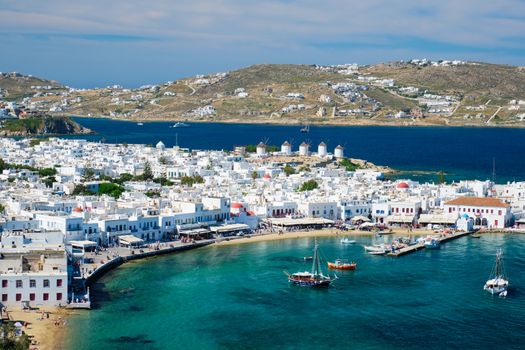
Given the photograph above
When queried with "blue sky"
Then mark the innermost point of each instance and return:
(130, 42)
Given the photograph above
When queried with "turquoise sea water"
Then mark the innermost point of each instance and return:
(237, 297)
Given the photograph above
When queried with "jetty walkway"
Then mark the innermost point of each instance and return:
(442, 239)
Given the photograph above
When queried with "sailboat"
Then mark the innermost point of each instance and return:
(305, 128)
(497, 283)
(314, 278)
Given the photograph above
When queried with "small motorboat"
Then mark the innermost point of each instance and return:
(140, 124)
(308, 258)
(347, 240)
(180, 125)
(377, 249)
(475, 236)
(383, 252)
(503, 294)
(342, 264)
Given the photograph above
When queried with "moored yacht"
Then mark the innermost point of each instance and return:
(313, 278)
(497, 282)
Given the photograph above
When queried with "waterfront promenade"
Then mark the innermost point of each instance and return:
(100, 263)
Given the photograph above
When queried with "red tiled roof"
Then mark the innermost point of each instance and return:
(477, 202)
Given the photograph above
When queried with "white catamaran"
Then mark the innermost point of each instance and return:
(497, 283)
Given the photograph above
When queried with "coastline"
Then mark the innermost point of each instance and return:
(296, 122)
(315, 233)
(44, 331)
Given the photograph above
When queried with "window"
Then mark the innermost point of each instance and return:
(18, 296)
(45, 296)
(4, 297)
(4, 283)
(32, 296)
(46, 283)
(499, 212)
(32, 283)
(59, 283)
(59, 296)
(18, 283)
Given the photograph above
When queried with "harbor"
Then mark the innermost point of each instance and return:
(418, 246)
(246, 282)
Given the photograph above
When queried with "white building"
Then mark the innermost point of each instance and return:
(487, 212)
(32, 275)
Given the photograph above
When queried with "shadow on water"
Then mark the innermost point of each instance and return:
(140, 339)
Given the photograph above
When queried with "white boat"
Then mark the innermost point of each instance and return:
(497, 282)
(347, 240)
(140, 124)
(180, 125)
(376, 249)
(306, 128)
(432, 243)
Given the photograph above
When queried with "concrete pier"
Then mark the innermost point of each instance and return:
(419, 246)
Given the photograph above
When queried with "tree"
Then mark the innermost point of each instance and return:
(349, 165)
(89, 174)
(110, 189)
(125, 177)
(80, 190)
(47, 172)
(48, 181)
(308, 185)
(2, 208)
(441, 177)
(163, 181)
(152, 194)
(163, 160)
(288, 170)
(9, 340)
(147, 174)
(254, 175)
(3, 165)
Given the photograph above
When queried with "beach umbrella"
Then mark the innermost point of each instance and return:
(18, 325)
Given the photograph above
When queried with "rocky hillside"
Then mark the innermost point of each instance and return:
(15, 85)
(41, 126)
(416, 92)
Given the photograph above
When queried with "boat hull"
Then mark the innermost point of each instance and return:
(342, 267)
(310, 283)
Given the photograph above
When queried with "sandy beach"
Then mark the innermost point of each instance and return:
(317, 233)
(43, 331)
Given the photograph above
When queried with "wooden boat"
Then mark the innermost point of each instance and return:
(475, 236)
(313, 278)
(342, 264)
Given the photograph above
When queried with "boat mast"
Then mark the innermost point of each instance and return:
(499, 273)
(315, 263)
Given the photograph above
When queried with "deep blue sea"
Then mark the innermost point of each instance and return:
(463, 153)
(237, 297)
